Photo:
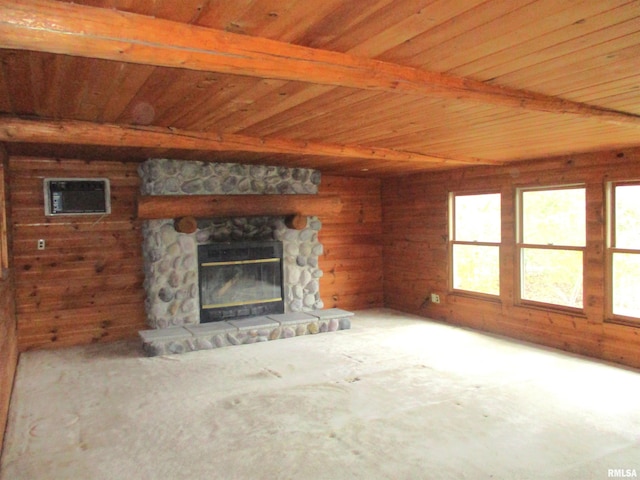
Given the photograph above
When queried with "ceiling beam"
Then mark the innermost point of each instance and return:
(66, 28)
(73, 132)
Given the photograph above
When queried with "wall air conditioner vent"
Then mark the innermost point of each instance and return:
(76, 196)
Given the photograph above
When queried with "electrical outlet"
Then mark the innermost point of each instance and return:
(435, 298)
(41, 244)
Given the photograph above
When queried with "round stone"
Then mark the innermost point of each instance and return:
(174, 279)
(305, 277)
(291, 249)
(187, 306)
(172, 185)
(305, 249)
(175, 347)
(174, 249)
(192, 186)
(312, 286)
(203, 344)
(292, 274)
(315, 224)
(313, 328)
(187, 243)
(165, 294)
(309, 300)
(307, 234)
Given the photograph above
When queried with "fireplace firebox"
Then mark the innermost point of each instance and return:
(240, 279)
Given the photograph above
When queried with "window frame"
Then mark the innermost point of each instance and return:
(453, 241)
(611, 250)
(4, 224)
(520, 246)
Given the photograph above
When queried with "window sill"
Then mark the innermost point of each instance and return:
(476, 296)
(627, 322)
(546, 307)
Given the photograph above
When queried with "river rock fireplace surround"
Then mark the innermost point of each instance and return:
(173, 298)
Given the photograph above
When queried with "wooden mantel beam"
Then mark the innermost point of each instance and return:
(66, 28)
(202, 206)
(73, 132)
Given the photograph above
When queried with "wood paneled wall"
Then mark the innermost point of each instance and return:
(8, 338)
(352, 241)
(416, 253)
(86, 286)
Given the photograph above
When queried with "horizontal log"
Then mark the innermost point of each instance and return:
(14, 129)
(203, 206)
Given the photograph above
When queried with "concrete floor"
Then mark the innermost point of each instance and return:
(395, 397)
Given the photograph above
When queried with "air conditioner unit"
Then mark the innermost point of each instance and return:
(76, 196)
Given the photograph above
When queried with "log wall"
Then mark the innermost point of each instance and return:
(8, 339)
(86, 286)
(416, 253)
(352, 241)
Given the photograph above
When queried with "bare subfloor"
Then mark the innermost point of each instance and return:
(395, 397)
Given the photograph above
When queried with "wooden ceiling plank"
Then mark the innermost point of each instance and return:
(186, 11)
(414, 52)
(344, 20)
(411, 26)
(272, 105)
(360, 112)
(72, 29)
(322, 106)
(224, 94)
(558, 59)
(589, 71)
(21, 95)
(592, 93)
(242, 104)
(87, 133)
(125, 86)
(549, 32)
(223, 14)
(491, 35)
(96, 90)
(6, 104)
(289, 21)
(368, 30)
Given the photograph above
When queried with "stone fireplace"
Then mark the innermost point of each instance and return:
(171, 258)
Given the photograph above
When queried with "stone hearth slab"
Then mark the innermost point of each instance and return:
(208, 336)
(330, 313)
(293, 318)
(171, 333)
(211, 328)
(254, 323)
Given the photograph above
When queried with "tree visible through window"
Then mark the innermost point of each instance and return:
(551, 243)
(624, 249)
(475, 242)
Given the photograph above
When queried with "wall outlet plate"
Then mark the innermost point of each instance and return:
(435, 298)
(41, 244)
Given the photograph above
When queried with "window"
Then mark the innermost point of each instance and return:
(551, 241)
(624, 249)
(475, 242)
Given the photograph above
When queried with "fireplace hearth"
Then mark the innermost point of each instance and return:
(240, 279)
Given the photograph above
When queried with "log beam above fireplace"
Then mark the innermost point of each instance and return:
(204, 206)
